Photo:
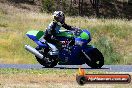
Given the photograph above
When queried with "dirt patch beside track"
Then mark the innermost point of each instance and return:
(48, 81)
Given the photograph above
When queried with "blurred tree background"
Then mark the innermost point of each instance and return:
(93, 8)
(90, 8)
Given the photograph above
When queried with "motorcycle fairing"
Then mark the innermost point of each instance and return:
(36, 37)
(71, 57)
(67, 34)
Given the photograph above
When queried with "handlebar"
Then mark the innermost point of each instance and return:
(76, 31)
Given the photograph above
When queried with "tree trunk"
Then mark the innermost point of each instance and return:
(71, 6)
(79, 6)
(95, 5)
(97, 8)
(82, 7)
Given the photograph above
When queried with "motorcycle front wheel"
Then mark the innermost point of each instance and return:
(96, 57)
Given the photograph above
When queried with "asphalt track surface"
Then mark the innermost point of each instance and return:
(111, 68)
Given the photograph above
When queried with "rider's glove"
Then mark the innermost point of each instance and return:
(75, 29)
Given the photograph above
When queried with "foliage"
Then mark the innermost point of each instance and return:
(48, 5)
(106, 8)
(107, 48)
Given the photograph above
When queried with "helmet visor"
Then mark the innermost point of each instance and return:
(59, 19)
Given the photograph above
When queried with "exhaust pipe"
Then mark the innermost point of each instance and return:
(33, 51)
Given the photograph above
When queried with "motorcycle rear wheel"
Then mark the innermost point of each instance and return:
(48, 61)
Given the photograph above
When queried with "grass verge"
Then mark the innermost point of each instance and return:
(49, 78)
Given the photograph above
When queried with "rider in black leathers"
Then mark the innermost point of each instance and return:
(54, 27)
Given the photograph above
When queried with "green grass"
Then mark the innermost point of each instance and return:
(111, 36)
(49, 71)
(36, 71)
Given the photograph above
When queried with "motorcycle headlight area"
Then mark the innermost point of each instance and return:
(80, 42)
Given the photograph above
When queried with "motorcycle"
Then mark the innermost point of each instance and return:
(75, 49)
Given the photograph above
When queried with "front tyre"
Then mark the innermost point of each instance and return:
(97, 59)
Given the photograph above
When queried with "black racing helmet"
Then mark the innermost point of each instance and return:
(59, 17)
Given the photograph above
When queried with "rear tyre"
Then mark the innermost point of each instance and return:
(97, 59)
(48, 61)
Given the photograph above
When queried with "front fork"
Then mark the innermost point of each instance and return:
(86, 55)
